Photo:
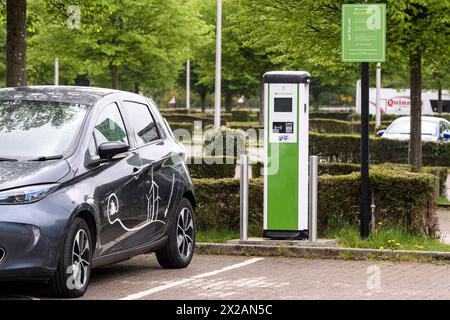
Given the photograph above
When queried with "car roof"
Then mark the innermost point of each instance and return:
(64, 94)
(426, 118)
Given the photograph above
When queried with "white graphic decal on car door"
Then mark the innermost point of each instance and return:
(153, 198)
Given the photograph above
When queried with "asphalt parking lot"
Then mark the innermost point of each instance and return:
(232, 277)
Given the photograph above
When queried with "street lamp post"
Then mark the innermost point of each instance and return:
(56, 72)
(218, 91)
(188, 85)
(378, 110)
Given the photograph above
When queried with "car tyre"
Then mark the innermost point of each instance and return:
(74, 267)
(180, 246)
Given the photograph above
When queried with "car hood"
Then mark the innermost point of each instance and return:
(25, 173)
(405, 137)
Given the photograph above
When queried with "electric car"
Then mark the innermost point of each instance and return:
(88, 177)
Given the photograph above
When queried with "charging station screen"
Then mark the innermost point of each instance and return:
(283, 105)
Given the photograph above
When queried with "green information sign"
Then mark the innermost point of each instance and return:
(363, 32)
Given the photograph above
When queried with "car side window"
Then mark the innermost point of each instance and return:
(142, 121)
(442, 127)
(108, 128)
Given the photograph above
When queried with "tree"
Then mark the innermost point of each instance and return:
(16, 43)
(17, 25)
(242, 64)
(138, 45)
(308, 31)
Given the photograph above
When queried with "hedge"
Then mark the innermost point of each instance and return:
(244, 115)
(182, 125)
(212, 167)
(343, 115)
(345, 148)
(340, 126)
(225, 141)
(404, 200)
(337, 168)
(206, 118)
(392, 117)
(441, 173)
(187, 118)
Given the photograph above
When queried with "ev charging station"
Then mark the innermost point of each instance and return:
(286, 105)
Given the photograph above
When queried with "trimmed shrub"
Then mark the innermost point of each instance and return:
(225, 141)
(182, 125)
(337, 168)
(218, 203)
(330, 115)
(340, 126)
(187, 118)
(211, 167)
(329, 126)
(405, 200)
(240, 115)
(244, 125)
(345, 148)
(165, 111)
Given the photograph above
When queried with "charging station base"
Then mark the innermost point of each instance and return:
(286, 235)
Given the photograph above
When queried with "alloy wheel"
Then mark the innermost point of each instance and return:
(81, 259)
(185, 233)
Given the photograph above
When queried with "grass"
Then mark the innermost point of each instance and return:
(387, 239)
(348, 237)
(216, 235)
(443, 201)
(223, 235)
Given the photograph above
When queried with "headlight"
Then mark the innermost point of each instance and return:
(26, 194)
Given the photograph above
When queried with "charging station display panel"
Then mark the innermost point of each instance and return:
(283, 104)
(283, 113)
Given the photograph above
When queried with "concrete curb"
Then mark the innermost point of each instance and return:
(321, 252)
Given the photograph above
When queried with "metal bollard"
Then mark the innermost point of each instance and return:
(244, 197)
(313, 183)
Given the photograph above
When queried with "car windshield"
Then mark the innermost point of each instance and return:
(38, 129)
(403, 127)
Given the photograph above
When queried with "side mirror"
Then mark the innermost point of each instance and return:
(380, 133)
(446, 135)
(108, 150)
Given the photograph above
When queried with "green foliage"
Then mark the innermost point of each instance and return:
(403, 200)
(216, 235)
(385, 239)
(212, 167)
(340, 126)
(330, 115)
(240, 115)
(345, 148)
(225, 141)
(144, 43)
(178, 126)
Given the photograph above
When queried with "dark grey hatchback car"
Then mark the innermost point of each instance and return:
(88, 177)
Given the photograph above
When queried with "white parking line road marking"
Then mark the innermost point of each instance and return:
(169, 285)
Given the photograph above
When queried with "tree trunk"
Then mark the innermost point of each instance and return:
(316, 96)
(415, 141)
(261, 101)
(228, 103)
(115, 78)
(203, 101)
(440, 105)
(16, 43)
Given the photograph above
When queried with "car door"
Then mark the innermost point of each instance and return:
(161, 179)
(116, 184)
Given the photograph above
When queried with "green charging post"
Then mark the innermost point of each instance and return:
(286, 154)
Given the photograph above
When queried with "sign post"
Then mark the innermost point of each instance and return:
(364, 40)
